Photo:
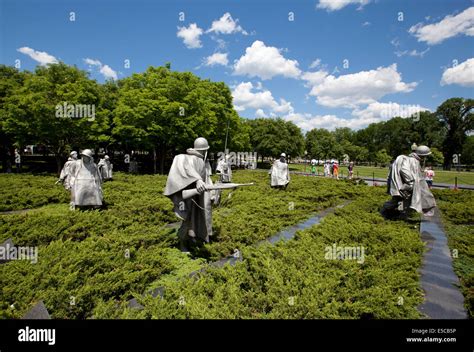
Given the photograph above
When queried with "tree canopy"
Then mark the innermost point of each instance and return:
(162, 111)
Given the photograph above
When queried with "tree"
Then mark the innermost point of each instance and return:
(10, 80)
(322, 144)
(457, 115)
(355, 152)
(270, 137)
(382, 157)
(428, 130)
(467, 156)
(164, 111)
(31, 112)
(369, 139)
(342, 134)
(436, 157)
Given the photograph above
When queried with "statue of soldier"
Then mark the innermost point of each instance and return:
(224, 169)
(407, 186)
(64, 176)
(86, 181)
(105, 168)
(192, 171)
(280, 173)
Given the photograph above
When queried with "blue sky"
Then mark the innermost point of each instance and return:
(318, 63)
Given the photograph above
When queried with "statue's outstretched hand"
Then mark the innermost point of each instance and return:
(200, 186)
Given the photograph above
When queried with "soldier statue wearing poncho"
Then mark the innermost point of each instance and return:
(64, 177)
(105, 168)
(280, 173)
(408, 187)
(86, 182)
(191, 171)
(224, 169)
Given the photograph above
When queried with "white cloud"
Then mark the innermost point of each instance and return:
(260, 113)
(334, 5)
(216, 59)
(92, 62)
(314, 78)
(283, 108)
(190, 36)
(395, 42)
(330, 122)
(40, 56)
(265, 62)
(221, 43)
(413, 52)
(361, 118)
(315, 63)
(244, 97)
(360, 88)
(461, 74)
(366, 23)
(448, 27)
(377, 112)
(105, 70)
(226, 25)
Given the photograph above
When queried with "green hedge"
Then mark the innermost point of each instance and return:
(457, 209)
(82, 253)
(294, 280)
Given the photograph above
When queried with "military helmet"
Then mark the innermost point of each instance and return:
(201, 144)
(413, 147)
(106, 157)
(73, 153)
(283, 155)
(87, 152)
(423, 150)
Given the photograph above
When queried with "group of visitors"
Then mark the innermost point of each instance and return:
(331, 168)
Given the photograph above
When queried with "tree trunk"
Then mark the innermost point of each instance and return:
(162, 157)
(154, 160)
(58, 163)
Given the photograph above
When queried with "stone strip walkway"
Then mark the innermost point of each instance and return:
(378, 180)
(443, 299)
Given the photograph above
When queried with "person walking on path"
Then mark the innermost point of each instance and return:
(313, 166)
(350, 168)
(326, 169)
(429, 175)
(335, 169)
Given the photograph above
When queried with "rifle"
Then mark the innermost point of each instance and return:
(188, 193)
